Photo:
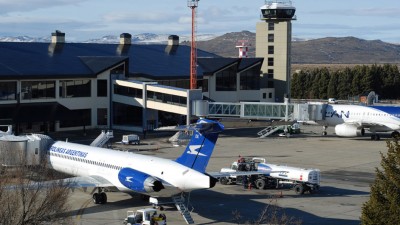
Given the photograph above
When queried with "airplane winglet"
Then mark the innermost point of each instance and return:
(201, 145)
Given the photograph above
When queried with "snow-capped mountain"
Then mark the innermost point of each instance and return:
(149, 38)
(25, 39)
(144, 38)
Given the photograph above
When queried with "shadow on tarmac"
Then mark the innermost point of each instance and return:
(220, 207)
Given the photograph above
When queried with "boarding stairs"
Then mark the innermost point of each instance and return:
(179, 201)
(102, 139)
(269, 130)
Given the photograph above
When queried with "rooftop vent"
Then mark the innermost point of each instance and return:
(173, 43)
(125, 39)
(58, 37)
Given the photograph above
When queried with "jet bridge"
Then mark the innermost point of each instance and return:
(309, 112)
(261, 110)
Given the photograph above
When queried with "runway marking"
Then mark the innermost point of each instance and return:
(81, 210)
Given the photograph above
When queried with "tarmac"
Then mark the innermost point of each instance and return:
(347, 169)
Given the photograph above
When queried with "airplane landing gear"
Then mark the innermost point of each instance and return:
(324, 132)
(375, 137)
(395, 134)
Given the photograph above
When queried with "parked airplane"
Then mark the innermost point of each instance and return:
(129, 172)
(352, 120)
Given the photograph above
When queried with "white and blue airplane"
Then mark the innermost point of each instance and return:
(134, 173)
(353, 120)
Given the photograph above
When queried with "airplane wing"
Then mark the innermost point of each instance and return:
(73, 182)
(89, 181)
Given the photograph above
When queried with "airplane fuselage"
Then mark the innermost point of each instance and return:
(376, 118)
(84, 161)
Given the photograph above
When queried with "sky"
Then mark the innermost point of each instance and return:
(82, 20)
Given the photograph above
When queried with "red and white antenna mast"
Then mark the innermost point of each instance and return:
(193, 50)
(243, 46)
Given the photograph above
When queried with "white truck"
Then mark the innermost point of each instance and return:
(265, 175)
(130, 138)
(148, 216)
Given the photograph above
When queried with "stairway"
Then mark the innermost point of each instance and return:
(269, 130)
(102, 138)
(179, 201)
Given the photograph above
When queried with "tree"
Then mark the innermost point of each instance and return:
(324, 83)
(383, 207)
(314, 93)
(332, 85)
(26, 198)
(294, 85)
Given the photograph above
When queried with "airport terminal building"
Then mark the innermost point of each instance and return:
(68, 86)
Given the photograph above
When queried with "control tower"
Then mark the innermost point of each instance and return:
(273, 43)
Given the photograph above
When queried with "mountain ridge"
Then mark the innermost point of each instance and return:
(327, 50)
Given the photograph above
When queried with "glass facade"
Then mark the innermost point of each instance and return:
(166, 98)
(250, 79)
(8, 90)
(127, 115)
(226, 79)
(38, 89)
(128, 91)
(176, 83)
(102, 117)
(84, 119)
(75, 88)
(204, 87)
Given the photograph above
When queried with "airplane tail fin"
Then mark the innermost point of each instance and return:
(201, 145)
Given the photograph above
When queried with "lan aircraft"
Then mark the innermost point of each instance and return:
(352, 120)
(128, 172)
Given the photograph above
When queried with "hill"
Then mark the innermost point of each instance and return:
(330, 50)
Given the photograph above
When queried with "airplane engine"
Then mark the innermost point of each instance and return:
(138, 181)
(348, 130)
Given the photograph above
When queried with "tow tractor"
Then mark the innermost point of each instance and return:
(148, 216)
(272, 176)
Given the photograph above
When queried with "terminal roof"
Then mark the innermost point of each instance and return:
(29, 60)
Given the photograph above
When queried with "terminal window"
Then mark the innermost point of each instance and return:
(226, 80)
(101, 88)
(250, 79)
(8, 90)
(38, 89)
(75, 88)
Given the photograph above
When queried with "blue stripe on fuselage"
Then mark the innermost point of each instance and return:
(392, 110)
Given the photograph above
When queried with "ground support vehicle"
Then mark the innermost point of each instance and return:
(148, 216)
(131, 138)
(262, 175)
